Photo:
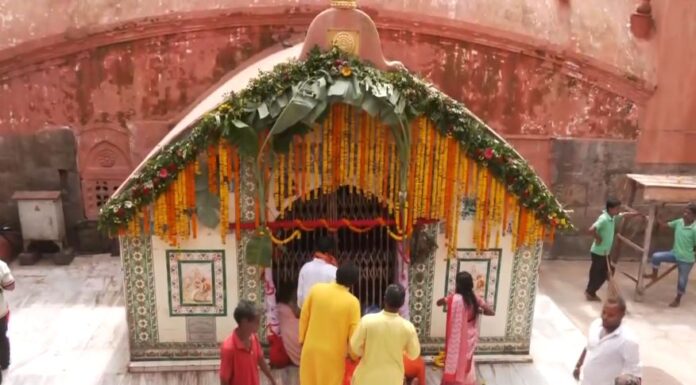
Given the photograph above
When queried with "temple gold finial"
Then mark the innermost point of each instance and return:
(344, 4)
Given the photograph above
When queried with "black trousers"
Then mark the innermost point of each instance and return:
(599, 273)
(4, 343)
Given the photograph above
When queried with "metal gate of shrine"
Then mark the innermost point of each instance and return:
(373, 251)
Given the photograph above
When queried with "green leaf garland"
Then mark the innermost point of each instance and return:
(296, 94)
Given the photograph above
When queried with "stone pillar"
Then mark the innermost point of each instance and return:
(669, 124)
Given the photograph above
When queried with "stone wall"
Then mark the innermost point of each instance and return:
(44, 160)
(594, 28)
(584, 173)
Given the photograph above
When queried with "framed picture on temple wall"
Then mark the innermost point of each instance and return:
(196, 281)
(484, 268)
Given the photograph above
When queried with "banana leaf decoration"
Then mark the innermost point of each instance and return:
(259, 249)
(207, 204)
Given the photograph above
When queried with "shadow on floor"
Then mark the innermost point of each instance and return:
(653, 375)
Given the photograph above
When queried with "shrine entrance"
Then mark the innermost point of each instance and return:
(371, 249)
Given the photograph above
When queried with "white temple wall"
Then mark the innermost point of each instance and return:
(173, 328)
(490, 326)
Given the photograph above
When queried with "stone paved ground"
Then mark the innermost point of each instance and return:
(667, 336)
(68, 327)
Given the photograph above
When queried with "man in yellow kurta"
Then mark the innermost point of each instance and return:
(328, 318)
(381, 340)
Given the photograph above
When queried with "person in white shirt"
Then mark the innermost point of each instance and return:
(612, 349)
(322, 268)
(7, 282)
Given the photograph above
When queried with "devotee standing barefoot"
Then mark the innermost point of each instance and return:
(612, 349)
(328, 318)
(463, 308)
(289, 323)
(241, 354)
(682, 252)
(381, 340)
(322, 268)
(603, 232)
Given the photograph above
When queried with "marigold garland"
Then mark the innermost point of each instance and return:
(440, 184)
(297, 234)
(357, 151)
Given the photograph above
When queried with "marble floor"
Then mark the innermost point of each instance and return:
(68, 327)
(667, 335)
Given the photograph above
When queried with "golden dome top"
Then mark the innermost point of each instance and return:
(344, 4)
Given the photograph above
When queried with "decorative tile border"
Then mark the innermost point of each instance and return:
(210, 261)
(249, 284)
(518, 326)
(522, 296)
(141, 309)
(421, 286)
(136, 254)
(489, 258)
(139, 283)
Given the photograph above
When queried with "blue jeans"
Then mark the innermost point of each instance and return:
(684, 268)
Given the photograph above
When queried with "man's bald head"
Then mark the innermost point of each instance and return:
(627, 379)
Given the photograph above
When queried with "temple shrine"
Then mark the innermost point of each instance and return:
(341, 142)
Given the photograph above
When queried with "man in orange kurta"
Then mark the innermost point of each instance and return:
(328, 318)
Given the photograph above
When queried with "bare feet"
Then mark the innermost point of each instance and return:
(592, 297)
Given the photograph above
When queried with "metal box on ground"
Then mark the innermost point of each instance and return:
(41, 219)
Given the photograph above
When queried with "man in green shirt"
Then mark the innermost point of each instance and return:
(603, 232)
(682, 252)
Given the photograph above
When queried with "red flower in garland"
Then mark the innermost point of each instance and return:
(172, 168)
(488, 154)
(163, 173)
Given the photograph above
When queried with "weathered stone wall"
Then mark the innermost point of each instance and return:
(594, 28)
(45, 160)
(123, 86)
(584, 173)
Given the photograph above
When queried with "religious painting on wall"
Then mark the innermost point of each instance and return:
(484, 268)
(196, 282)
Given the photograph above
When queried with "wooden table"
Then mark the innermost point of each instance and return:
(657, 191)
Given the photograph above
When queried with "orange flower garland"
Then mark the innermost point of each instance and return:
(355, 150)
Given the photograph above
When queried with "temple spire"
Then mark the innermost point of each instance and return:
(344, 4)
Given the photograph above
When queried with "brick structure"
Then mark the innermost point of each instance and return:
(559, 84)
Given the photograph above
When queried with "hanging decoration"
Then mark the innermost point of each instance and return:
(332, 121)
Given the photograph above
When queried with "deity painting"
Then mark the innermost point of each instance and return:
(484, 268)
(197, 283)
(479, 271)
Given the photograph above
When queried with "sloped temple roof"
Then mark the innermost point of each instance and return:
(295, 95)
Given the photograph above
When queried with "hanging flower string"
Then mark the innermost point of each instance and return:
(440, 184)
(455, 162)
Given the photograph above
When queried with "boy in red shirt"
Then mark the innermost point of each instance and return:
(241, 354)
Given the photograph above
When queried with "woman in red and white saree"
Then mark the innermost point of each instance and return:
(463, 308)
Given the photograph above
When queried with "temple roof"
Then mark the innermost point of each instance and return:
(271, 100)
